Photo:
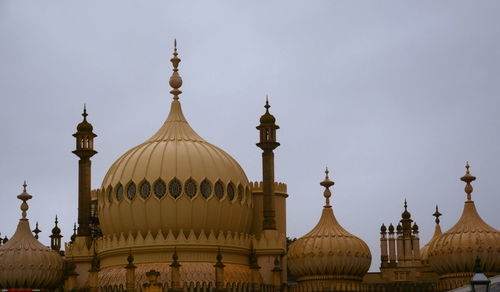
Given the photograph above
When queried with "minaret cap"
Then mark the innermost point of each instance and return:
(175, 80)
(468, 178)
(267, 118)
(327, 183)
(84, 126)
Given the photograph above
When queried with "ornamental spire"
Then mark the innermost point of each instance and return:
(175, 80)
(468, 178)
(437, 215)
(327, 183)
(24, 196)
(36, 230)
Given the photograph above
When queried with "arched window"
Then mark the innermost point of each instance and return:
(160, 188)
(131, 189)
(230, 191)
(219, 190)
(145, 189)
(190, 188)
(119, 193)
(110, 194)
(175, 188)
(206, 189)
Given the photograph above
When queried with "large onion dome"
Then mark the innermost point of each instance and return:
(175, 181)
(452, 255)
(25, 263)
(424, 251)
(328, 251)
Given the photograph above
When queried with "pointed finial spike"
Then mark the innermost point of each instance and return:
(327, 172)
(24, 186)
(56, 220)
(84, 114)
(267, 106)
(406, 205)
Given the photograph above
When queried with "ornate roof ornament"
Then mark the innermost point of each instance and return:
(468, 178)
(175, 80)
(36, 230)
(327, 183)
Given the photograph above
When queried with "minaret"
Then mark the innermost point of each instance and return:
(267, 129)
(84, 150)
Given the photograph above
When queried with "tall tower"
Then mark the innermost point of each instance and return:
(84, 150)
(267, 129)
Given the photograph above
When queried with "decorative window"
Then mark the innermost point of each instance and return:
(219, 190)
(119, 193)
(160, 188)
(110, 194)
(240, 193)
(131, 191)
(230, 191)
(145, 189)
(206, 189)
(175, 188)
(190, 188)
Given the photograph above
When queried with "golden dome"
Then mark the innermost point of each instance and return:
(175, 181)
(424, 251)
(453, 253)
(25, 263)
(328, 251)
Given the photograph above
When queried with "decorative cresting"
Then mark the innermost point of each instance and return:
(328, 252)
(424, 252)
(452, 254)
(175, 181)
(25, 263)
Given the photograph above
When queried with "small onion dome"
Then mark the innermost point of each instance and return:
(84, 126)
(424, 251)
(25, 263)
(328, 251)
(267, 118)
(175, 181)
(453, 253)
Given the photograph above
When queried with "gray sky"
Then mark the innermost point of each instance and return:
(394, 96)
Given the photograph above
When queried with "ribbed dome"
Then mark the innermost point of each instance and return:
(328, 250)
(175, 180)
(454, 252)
(25, 263)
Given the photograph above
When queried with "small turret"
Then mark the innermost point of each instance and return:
(55, 237)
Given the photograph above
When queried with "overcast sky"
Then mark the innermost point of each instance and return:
(394, 96)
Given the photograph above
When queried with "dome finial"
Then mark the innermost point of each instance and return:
(267, 106)
(24, 196)
(84, 114)
(327, 183)
(437, 214)
(175, 80)
(36, 230)
(468, 178)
